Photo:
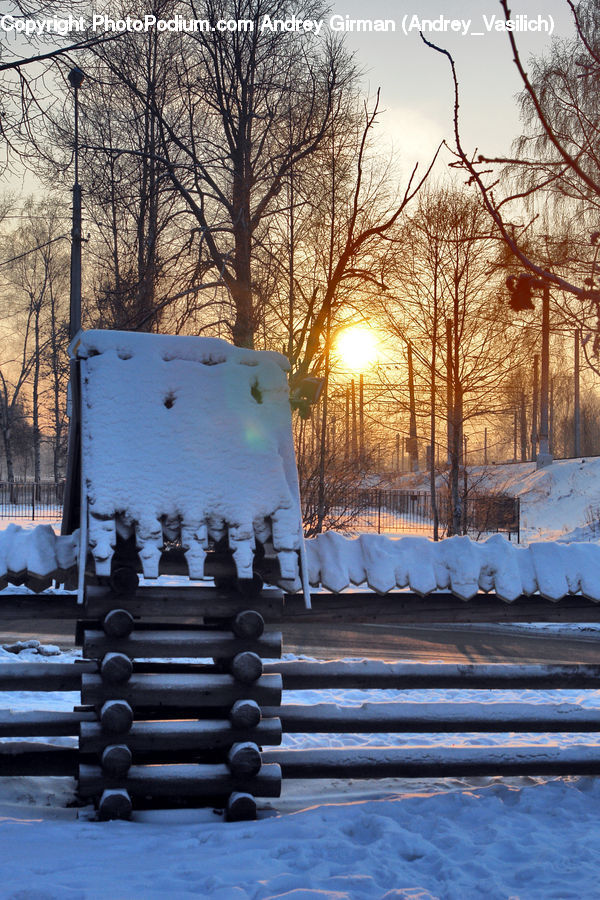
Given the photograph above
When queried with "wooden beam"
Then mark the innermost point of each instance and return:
(32, 607)
(366, 674)
(43, 676)
(190, 781)
(173, 601)
(177, 644)
(31, 758)
(205, 734)
(408, 608)
(436, 762)
(435, 717)
(182, 690)
(41, 723)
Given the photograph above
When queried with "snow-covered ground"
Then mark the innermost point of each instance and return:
(492, 838)
(558, 501)
(555, 500)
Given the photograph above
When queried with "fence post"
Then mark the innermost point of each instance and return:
(33, 502)
(378, 511)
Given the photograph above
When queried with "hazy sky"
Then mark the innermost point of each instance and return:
(415, 82)
(416, 88)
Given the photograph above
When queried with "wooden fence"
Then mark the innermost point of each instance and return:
(168, 683)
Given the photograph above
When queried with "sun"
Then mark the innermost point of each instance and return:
(357, 347)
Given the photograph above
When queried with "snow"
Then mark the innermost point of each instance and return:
(444, 838)
(187, 437)
(555, 500)
(457, 564)
(29, 554)
(466, 567)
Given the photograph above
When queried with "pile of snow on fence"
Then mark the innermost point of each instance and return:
(36, 557)
(457, 564)
(187, 438)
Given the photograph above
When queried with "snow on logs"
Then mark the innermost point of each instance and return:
(36, 557)
(188, 439)
(457, 564)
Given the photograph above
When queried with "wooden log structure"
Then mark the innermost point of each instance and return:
(145, 700)
(148, 708)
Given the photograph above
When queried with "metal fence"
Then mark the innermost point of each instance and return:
(24, 500)
(371, 509)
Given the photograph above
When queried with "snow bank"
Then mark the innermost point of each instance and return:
(457, 564)
(187, 437)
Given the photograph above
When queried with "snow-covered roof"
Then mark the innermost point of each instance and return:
(187, 437)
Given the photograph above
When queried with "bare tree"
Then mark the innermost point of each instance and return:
(557, 155)
(36, 290)
(450, 308)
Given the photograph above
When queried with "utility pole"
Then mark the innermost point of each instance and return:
(577, 403)
(347, 428)
(449, 404)
(413, 450)
(361, 417)
(534, 418)
(523, 428)
(354, 436)
(544, 458)
(72, 498)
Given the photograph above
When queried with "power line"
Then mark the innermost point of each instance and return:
(7, 262)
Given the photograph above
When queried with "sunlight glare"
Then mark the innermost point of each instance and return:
(357, 347)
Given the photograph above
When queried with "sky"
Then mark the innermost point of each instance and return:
(415, 82)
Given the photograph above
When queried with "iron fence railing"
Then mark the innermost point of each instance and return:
(26, 500)
(372, 509)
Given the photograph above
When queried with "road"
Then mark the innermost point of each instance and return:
(451, 643)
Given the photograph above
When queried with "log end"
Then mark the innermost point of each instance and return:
(116, 668)
(116, 716)
(114, 804)
(248, 624)
(241, 807)
(245, 714)
(246, 667)
(244, 759)
(116, 759)
(118, 623)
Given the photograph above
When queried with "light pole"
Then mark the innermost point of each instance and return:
(520, 288)
(72, 498)
(76, 77)
(544, 457)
